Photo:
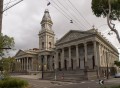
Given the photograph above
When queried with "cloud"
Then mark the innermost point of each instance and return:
(23, 21)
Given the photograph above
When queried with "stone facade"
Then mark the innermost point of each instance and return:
(77, 54)
(27, 61)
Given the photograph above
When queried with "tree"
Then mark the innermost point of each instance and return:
(109, 9)
(117, 63)
(6, 42)
(7, 65)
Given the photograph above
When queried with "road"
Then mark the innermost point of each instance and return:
(36, 83)
(91, 84)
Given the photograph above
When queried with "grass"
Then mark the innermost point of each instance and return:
(118, 86)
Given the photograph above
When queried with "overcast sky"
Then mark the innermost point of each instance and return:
(23, 20)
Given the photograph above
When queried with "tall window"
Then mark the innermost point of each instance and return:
(59, 66)
(72, 64)
(49, 44)
(42, 44)
(65, 64)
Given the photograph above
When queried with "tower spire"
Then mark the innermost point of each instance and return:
(46, 18)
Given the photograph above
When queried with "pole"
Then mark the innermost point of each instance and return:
(1, 9)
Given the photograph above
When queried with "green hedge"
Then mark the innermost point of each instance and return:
(13, 83)
(118, 86)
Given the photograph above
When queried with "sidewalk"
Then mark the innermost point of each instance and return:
(36, 82)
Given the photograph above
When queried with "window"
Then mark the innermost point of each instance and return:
(65, 64)
(49, 44)
(72, 64)
(42, 44)
(59, 66)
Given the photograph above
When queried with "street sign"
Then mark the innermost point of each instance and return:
(101, 82)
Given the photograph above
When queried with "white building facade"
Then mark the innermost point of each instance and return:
(78, 52)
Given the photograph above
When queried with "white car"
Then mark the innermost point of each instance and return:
(117, 75)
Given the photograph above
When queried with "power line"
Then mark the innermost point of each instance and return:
(69, 6)
(71, 14)
(11, 6)
(62, 11)
(64, 15)
(7, 4)
(79, 12)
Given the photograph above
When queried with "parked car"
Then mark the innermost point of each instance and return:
(117, 75)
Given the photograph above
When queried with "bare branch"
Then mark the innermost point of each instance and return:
(109, 22)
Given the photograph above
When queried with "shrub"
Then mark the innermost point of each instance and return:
(13, 83)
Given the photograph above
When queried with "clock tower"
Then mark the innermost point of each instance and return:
(46, 43)
(46, 35)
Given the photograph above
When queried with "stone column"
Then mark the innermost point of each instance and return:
(27, 64)
(32, 63)
(24, 60)
(69, 57)
(45, 62)
(95, 54)
(77, 56)
(62, 59)
(99, 59)
(22, 64)
(85, 48)
(51, 63)
(56, 60)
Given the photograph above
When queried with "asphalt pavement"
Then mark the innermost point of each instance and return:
(35, 82)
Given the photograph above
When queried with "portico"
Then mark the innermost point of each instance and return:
(73, 57)
(26, 61)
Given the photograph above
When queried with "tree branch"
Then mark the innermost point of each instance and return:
(109, 22)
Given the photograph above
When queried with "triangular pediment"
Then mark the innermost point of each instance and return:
(20, 52)
(73, 35)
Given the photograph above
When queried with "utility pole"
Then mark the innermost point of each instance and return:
(2, 11)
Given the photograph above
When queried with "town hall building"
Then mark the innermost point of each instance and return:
(77, 55)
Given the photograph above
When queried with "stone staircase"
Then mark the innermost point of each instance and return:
(65, 75)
